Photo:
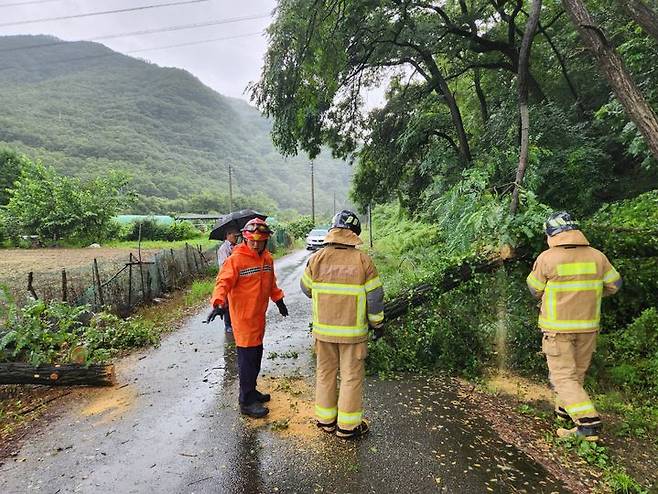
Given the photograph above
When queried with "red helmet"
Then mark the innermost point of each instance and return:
(257, 230)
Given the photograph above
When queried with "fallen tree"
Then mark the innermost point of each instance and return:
(59, 375)
(452, 278)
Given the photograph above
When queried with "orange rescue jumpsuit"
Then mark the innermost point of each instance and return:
(249, 280)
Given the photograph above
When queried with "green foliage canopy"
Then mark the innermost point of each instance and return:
(55, 207)
(324, 55)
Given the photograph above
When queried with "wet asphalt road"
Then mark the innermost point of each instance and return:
(172, 425)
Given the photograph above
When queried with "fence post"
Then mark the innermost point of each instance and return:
(93, 284)
(187, 258)
(174, 267)
(98, 281)
(160, 279)
(148, 285)
(130, 280)
(65, 292)
(141, 276)
(30, 288)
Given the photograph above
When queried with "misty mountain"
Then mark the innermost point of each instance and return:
(85, 109)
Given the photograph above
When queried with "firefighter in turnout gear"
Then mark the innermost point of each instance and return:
(348, 299)
(570, 278)
(247, 277)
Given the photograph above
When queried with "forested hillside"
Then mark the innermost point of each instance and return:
(85, 109)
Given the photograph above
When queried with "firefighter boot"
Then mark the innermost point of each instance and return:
(586, 432)
(330, 427)
(361, 430)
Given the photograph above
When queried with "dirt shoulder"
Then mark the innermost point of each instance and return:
(520, 410)
(26, 410)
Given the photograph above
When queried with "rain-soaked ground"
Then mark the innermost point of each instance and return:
(172, 425)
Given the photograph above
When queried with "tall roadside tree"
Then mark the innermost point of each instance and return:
(613, 68)
(11, 164)
(56, 207)
(641, 13)
(324, 54)
(522, 82)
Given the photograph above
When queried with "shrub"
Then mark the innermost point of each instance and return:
(116, 231)
(628, 359)
(42, 333)
(300, 227)
(148, 229)
(153, 230)
(180, 230)
(109, 332)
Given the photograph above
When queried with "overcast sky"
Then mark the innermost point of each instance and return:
(227, 66)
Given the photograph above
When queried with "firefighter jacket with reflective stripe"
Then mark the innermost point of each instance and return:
(570, 278)
(247, 278)
(346, 291)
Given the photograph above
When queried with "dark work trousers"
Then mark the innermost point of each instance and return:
(248, 369)
(227, 319)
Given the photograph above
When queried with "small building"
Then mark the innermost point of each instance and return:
(198, 220)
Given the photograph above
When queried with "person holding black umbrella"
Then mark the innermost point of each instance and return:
(232, 236)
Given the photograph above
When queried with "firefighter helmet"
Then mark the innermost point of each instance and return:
(347, 219)
(559, 222)
(257, 230)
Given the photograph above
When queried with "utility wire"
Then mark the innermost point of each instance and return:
(190, 43)
(147, 31)
(31, 2)
(104, 12)
(90, 57)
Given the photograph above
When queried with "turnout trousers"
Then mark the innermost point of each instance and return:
(344, 405)
(568, 356)
(249, 359)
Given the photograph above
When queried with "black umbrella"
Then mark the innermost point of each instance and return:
(233, 221)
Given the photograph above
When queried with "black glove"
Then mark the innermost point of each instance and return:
(218, 310)
(283, 310)
(377, 333)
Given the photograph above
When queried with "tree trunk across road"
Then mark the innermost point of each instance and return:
(61, 375)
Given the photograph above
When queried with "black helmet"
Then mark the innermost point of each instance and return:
(347, 219)
(560, 222)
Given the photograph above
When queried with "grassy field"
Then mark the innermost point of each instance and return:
(161, 244)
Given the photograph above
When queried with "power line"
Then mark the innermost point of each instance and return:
(200, 42)
(31, 2)
(146, 31)
(104, 12)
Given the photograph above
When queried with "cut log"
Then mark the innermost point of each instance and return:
(451, 278)
(57, 375)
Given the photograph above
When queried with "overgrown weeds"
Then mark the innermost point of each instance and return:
(616, 479)
(55, 332)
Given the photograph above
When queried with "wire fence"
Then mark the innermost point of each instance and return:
(121, 284)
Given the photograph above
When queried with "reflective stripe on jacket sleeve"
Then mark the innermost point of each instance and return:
(375, 301)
